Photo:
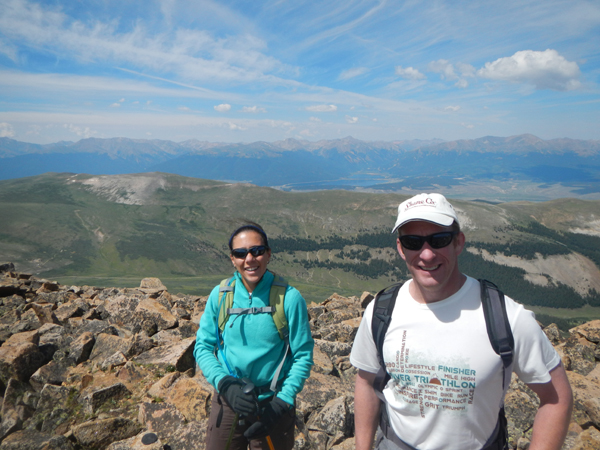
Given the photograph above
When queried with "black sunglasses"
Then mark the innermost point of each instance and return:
(437, 240)
(241, 253)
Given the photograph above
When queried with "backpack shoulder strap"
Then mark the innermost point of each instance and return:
(276, 301)
(382, 316)
(225, 300)
(498, 326)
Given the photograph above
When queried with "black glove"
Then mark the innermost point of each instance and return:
(268, 419)
(242, 403)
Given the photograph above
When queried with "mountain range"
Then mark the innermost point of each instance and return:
(520, 167)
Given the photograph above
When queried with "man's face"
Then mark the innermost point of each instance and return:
(435, 271)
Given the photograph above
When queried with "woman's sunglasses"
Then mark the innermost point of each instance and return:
(437, 240)
(241, 253)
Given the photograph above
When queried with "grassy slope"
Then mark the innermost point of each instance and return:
(57, 227)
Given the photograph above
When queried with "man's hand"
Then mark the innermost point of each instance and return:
(268, 419)
(232, 389)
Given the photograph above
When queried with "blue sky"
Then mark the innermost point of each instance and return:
(239, 71)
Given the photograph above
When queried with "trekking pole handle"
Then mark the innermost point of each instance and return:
(247, 389)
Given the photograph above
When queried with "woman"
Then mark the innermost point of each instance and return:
(253, 405)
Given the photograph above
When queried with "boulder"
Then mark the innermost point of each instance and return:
(98, 434)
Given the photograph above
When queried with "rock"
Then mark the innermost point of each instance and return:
(11, 422)
(97, 398)
(587, 440)
(580, 353)
(333, 418)
(51, 373)
(55, 407)
(81, 348)
(589, 331)
(6, 267)
(153, 311)
(152, 286)
(365, 299)
(20, 361)
(322, 362)
(178, 355)
(162, 418)
(135, 443)
(13, 396)
(35, 440)
(107, 345)
(188, 437)
(45, 313)
(122, 360)
(98, 434)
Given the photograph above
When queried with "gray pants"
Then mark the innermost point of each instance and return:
(383, 443)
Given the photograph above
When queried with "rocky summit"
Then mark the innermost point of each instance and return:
(112, 368)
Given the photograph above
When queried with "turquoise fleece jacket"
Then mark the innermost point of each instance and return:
(252, 345)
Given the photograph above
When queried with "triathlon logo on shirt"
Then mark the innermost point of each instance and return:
(428, 385)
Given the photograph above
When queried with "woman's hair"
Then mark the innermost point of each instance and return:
(249, 226)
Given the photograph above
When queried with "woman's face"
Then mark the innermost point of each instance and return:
(251, 268)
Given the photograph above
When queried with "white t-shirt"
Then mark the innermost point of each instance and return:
(446, 385)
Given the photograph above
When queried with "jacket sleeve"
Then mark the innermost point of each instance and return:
(206, 342)
(301, 346)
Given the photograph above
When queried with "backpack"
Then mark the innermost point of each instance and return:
(275, 308)
(498, 329)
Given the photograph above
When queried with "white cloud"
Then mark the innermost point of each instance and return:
(462, 83)
(468, 125)
(223, 107)
(183, 108)
(115, 105)
(322, 108)
(545, 70)
(449, 71)
(351, 73)
(235, 127)
(444, 68)
(6, 130)
(315, 119)
(409, 73)
(85, 132)
(253, 109)
(351, 119)
(122, 100)
(452, 108)
(190, 53)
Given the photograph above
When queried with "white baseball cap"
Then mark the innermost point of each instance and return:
(427, 207)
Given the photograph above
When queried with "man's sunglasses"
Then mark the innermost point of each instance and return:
(437, 240)
(241, 253)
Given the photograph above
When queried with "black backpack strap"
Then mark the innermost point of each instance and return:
(382, 316)
(498, 327)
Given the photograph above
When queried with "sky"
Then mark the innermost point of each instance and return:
(240, 71)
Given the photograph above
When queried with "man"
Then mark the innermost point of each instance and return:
(446, 387)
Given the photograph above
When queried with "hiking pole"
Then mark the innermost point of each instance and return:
(233, 426)
(270, 442)
(248, 387)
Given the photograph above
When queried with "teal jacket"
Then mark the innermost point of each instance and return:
(252, 345)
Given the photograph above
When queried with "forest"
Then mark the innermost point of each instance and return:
(355, 255)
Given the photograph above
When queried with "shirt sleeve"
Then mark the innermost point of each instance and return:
(535, 356)
(301, 345)
(206, 342)
(364, 351)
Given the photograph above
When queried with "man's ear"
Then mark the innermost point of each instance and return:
(400, 249)
(459, 242)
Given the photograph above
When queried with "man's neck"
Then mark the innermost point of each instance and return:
(423, 295)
